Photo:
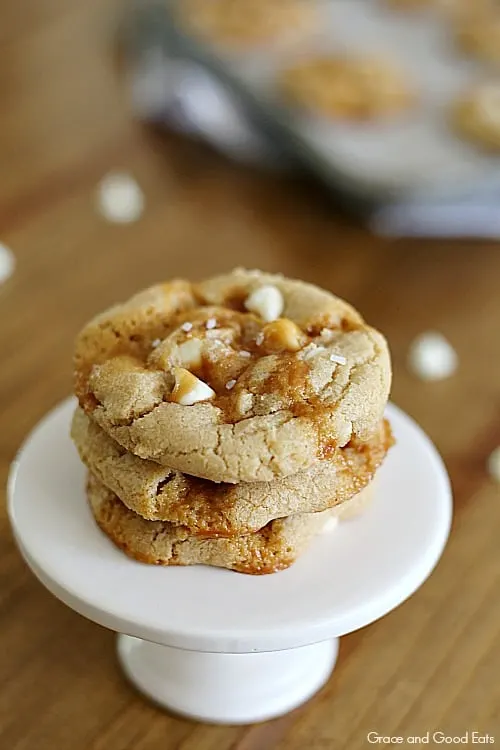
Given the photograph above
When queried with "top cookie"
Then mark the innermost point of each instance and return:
(243, 377)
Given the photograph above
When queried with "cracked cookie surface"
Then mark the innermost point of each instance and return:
(224, 510)
(273, 548)
(283, 393)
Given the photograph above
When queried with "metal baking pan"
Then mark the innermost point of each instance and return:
(413, 157)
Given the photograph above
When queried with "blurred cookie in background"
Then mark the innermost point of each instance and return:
(478, 35)
(244, 23)
(452, 7)
(348, 88)
(476, 115)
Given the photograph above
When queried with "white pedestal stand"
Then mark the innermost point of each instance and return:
(216, 645)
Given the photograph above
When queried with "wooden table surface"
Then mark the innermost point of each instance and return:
(432, 664)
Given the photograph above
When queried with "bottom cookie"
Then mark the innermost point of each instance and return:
(273, 548)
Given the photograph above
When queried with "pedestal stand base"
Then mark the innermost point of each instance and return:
(227, 688)
(233, 650)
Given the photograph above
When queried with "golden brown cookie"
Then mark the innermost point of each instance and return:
(269, 550)
(211, 510)
(476, 116)
(452, 8)
(245, 23)
(347, 87)
(478, 35)
(244, 377)
(410, 4)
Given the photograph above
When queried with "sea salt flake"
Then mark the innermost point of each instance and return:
(230, 384)
(259, 339)
(186, 326)
(338, 358)
(155, 343)
(244, 353)
(211, 323)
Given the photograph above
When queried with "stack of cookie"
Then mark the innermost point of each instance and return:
(228, 422)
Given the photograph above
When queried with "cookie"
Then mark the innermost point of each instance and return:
(223, 510)
(244, 377)
(245, 23)
(465, 8)
(452, 8)
(411, 4)
(269, 550)
(478, 35)
(476, 116)
(347, 87)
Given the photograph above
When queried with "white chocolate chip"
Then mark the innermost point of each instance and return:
(494, 464)
(189, 389)
(211, 323)
(283, 335)
(431, 357)
(187, 326)
(338, 358)
(230, 384)
(330, 525)
(266, 301)
(190, 353)
(120, 199)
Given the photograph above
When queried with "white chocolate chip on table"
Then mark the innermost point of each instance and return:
(120, 200)
(7, 263)
(432, 357)
(494, 464)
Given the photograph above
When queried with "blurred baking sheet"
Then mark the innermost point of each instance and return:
(415, 155)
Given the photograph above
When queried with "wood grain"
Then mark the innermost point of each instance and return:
(431, 664)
